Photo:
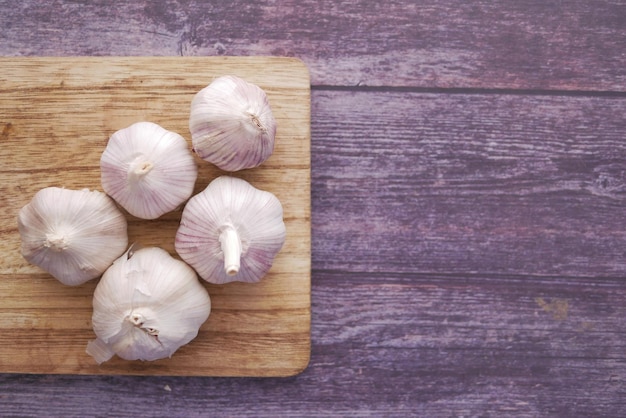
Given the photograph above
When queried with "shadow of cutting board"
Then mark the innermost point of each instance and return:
(56, 115)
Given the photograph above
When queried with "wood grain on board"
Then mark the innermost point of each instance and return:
(56, 115)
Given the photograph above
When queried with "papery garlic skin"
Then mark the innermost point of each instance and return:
(148, 170)
(74, 235)
(231, 231)
(232, 125)
(146, 306)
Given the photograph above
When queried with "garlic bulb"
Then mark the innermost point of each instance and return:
(148, 170)
(146, 306)
(74, 235)
(231, 231)
(231, 124)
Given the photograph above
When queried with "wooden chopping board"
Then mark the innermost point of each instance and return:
(56, 115)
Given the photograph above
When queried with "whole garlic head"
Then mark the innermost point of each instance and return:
(148, 170)
(146, 306)
(231, 124)
(74, 235)
(231, 231)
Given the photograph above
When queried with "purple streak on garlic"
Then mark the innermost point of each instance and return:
(146, 306)
(74, 235)
(232, 125)
(148, 170)
(231, 231)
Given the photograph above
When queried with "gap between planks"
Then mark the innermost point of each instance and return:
(469, 91)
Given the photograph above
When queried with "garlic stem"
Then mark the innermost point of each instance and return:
(136, 319)
(231, 247)
(140, 169)
(57, 242)
(257, 122)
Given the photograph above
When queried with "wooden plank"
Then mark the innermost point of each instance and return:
(526, 44)
(56, 115)
(503, 184)
(402, 345)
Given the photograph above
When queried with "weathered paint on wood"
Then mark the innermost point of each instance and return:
(468, 246)
(57, 114)
(502, 184)
(525, 44)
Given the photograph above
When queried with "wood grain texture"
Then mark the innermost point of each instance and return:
(400, 345)
(525, 44)
(506, 184)
(57, 115)
(468, 204)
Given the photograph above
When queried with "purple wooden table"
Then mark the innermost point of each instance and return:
(469, 203)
